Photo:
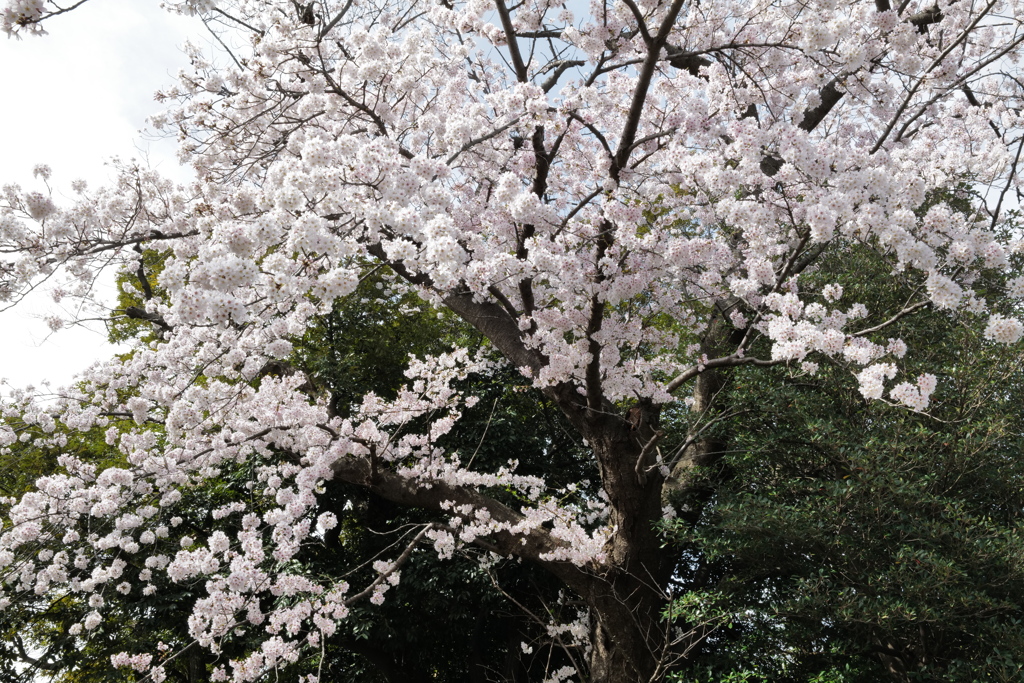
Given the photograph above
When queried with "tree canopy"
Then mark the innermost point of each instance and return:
(705, 312)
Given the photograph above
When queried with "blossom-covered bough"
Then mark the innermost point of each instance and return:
(624, 198)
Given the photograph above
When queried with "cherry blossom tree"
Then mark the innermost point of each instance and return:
(625, 199)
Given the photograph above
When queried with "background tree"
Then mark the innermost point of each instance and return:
(851, 540)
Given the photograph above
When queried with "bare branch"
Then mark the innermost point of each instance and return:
(334, 22)
(902, 314)
(723, 362)
(394, 566)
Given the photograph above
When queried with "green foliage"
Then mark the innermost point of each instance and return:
(133, 290)
(365, 342)
(858, 542)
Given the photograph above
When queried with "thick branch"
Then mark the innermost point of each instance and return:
(595, 394)
(32, 661)
(136, 313)
(530, 545)
(687, 61)
(595, 398)
(496, 324)
(140, 273)
(922, 20)
(643, 84)
(830, 97)
(558, 67)
(510, 38)
(493, 321)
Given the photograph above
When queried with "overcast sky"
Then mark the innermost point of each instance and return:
(73, 99)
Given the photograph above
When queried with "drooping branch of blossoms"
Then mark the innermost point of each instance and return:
(189, 456)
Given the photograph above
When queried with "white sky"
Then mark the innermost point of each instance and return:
(73, 99)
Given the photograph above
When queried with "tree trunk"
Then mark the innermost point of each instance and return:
(197, 664)
(626, 597)
(626, 632)
(683, 489)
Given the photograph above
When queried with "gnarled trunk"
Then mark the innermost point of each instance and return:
(627, 595)
(627, 634)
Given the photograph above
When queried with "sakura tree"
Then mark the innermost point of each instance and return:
(626, 199)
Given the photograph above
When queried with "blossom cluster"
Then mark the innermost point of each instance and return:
(22, 15)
